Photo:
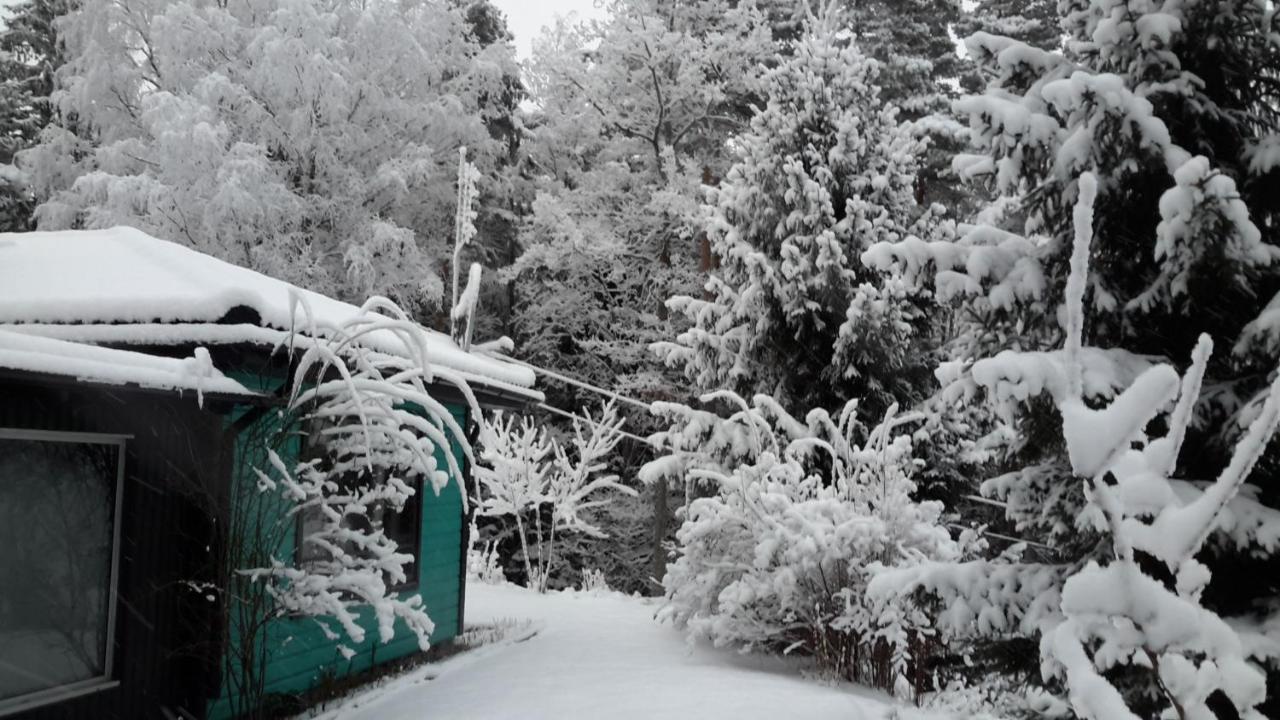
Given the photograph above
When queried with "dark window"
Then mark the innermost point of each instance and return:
(402, 527)
(59, 508)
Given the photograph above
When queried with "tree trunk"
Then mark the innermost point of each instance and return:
(661, 521)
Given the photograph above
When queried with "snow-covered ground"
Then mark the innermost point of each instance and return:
(603, 656)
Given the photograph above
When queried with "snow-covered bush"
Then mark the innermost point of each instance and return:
(594, 581)
(310, 539)
(375, 430)
(542, 487)
(483, 561)
(780, 556)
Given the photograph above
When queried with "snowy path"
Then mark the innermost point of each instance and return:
(601, 656)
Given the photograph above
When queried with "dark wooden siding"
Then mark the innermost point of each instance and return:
(166, 633)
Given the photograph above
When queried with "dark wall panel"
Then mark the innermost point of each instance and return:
(166, 633)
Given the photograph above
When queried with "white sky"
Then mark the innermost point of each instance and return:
(526, 18)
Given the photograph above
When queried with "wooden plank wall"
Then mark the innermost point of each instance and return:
(164, 630)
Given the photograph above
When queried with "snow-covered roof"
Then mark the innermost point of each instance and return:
(122, 286)
(89, 363)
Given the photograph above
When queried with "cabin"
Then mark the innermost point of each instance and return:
(138, 380)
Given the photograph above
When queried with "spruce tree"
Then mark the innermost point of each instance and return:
(31, 55)
(920, 72)
(1034, 22)
(823, 173)
(1179, 127)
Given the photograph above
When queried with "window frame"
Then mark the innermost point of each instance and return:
(106, 680)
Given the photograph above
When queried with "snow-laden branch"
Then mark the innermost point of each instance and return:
(372, 435)
(1118, 614)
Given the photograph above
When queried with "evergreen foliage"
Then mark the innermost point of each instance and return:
(1027, 297)
(823, 174)
(1184, 246)
(30, 54)
(1034, 22)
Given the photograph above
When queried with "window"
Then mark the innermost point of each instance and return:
(403, 527)
(59, 538)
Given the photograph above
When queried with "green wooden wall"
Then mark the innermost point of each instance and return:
(301, 657)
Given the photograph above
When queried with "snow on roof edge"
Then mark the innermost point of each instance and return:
(214, 335)
(121, 275)
(90, 363)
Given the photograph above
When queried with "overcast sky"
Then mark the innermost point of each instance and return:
(526, 18)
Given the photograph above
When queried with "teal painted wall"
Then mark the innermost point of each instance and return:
(301, 656)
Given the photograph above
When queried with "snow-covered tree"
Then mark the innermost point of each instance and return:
(911, 39)
(823, 174)
(1173, 126)
(802, 515)
(634, 113)
(1034, 22)
(1141, 609)
(31, 53)
(315, 538)
(547, 491)
(504, 191)
(919, 73)
(314, 141)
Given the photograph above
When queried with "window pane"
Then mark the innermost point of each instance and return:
(403, 528)
(57, 506)
(310, 555)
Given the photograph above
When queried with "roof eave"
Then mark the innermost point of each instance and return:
(211, 399)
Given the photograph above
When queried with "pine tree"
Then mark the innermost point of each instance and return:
(920, 69)
(1179, 128)
(823, 173)
(1033, 22)
(32, 53)
(910, 39)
